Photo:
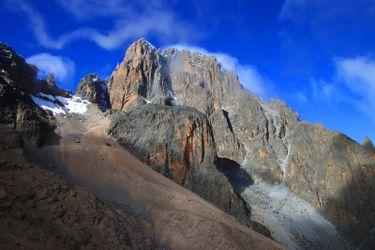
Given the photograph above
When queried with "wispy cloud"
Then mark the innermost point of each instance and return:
(352, 83)
(153, 20)
(62, 67)
(358, 74)
(248, 75)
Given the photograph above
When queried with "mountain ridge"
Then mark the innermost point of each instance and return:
(254, 143)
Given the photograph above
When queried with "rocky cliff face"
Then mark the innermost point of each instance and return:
(178, 143)
(266, 139)
(336, 175)
(93, 89)
(17, 80)
(140, 77)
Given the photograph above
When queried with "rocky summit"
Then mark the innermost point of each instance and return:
(172, 152)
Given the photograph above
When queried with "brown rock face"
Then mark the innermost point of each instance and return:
(336, 175)
(91, 88)
(178, 142)
(168, 138)
(140, 76)
(245, 129)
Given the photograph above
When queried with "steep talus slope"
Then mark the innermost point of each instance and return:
(266, 139)
(38, 210)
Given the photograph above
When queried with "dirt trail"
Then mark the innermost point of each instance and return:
(88, 157)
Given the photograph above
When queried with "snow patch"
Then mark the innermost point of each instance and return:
(71, 105)
(74, 104)
(47, 105)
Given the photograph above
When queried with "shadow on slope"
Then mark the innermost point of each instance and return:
(236, 175)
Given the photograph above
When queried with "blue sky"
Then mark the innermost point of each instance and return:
(317, 55)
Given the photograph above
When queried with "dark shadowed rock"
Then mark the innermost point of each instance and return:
(336, 175)
(93, 89)
(17, 81)
(49, 86)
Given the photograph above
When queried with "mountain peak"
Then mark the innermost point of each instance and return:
(142, 42)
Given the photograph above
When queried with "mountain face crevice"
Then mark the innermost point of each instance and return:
(268, 139)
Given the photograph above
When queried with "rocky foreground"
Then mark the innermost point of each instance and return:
(188, 119)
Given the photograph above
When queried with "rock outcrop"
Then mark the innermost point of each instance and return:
(178, 142)
(49, 86)
(336, 175)
(93, 89)
(140, 77)
(17, 81)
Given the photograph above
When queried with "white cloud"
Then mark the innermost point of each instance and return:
(358, 74)
(151, 21)
(247, 74)
(62, 67)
